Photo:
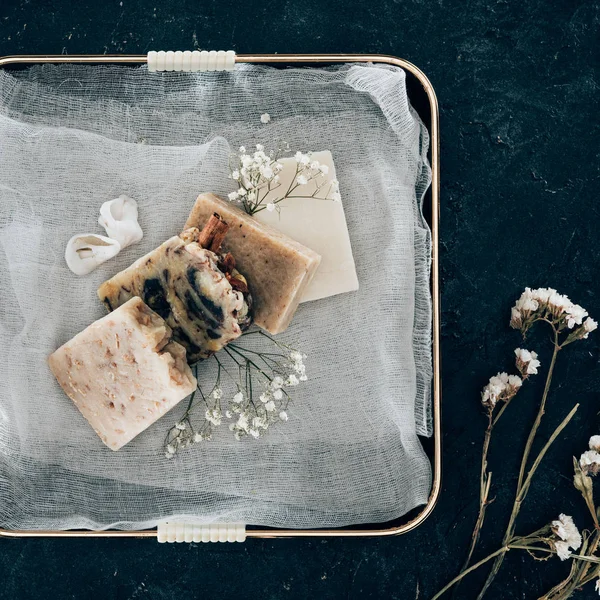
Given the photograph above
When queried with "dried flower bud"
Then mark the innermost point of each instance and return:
(501, 388)
(527, 362)
(594, 443)
(590, 462)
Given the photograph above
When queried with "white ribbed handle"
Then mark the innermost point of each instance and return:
(191, 61)
(172, 531)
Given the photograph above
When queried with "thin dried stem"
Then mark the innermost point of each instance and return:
(467, 571)
(485, 481)
(524, 460)
(522, 495)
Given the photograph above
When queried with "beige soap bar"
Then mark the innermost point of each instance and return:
(123, 372)
(278, 268)
(319, 223)
(183, 283)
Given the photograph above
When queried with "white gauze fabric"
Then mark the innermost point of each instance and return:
(72, 137)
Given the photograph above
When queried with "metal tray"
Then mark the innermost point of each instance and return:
(424, 101)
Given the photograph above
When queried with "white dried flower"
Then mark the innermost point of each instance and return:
(277, 382)
(171, 449)
(270, 406)
(265, 118)
(292, 380)
(242, 149)
(228, 414)
(324, 169)
(557, 304)
(213, 416)
(235, 175)
(283, 415)
(594, 443)
(233, 196)
(314, 165)
(302, 180)
(575, 315)
(254, 433)
(569, 537)
(589, 462)
(242, 192)
(238, 398)
(259, 148)
(169, 455)
(296, 356)
(242, 422)
(278, 394)
(501, 387)
(267, 172)
(302, 159)
(217, 393)
(264, 398)
(181, 426)
(589, 325)
(198, 438)
(270, 206)
(527, 362)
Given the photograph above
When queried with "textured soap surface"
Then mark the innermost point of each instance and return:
(123, 372)
(277, 267)
(319, 223)
(182, 282)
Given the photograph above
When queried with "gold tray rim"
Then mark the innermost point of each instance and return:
(435, 290)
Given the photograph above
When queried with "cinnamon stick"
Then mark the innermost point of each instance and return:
(212, 235)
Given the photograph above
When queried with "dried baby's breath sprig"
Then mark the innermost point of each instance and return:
(257, 174)
(251, 393)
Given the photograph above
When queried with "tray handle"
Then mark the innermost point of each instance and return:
(179, 531)
(196, 60)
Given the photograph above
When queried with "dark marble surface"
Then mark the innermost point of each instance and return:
(518, 89)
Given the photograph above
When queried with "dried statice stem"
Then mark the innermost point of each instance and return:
(525, 488)
(517, 543)
(520, 484)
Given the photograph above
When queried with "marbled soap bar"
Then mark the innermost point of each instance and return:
(123, 372)
(184, 284)
(319, 223)
(277, 267)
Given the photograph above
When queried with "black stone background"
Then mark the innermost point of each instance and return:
(518, 89)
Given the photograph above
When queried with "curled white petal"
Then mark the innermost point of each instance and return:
(87, 251)
(119, 217)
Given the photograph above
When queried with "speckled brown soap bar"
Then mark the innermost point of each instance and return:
(278, 268)
(123, 372)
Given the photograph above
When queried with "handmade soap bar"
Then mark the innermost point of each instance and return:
(189, 287)
(123, 372)
(278, 268)
(319, 223)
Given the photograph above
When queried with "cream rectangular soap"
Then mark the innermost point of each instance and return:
(319, 223)
(278, 268)
(123, 372)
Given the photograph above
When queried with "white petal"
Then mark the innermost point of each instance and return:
(120, 219)
(87, 251)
